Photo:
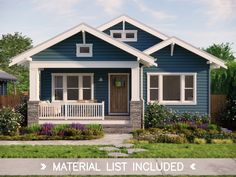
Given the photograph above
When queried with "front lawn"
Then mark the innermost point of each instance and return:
(154, 151)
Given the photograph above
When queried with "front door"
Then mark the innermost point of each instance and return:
(119, 94)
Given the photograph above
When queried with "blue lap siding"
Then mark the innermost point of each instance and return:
(100, 88)
(145, 39)
(183, 61)
(66, 51)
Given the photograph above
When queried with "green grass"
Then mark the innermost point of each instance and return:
(187, 151)
(39, 151)
(154, 151)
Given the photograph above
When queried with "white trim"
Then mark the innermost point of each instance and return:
(135, 23)
(34, 84)
(182, 90)
(135, 84)
(83, 64)
(175, 40)
(80, 85)
(79, 54)
(144, 58)
(109, 74)
(123, 35)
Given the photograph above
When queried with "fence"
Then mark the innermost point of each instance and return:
(10, 100)
(217, 105)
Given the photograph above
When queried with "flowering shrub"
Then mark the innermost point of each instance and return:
(160, 116)
(47, 129)
(10, 121)
(77, 126)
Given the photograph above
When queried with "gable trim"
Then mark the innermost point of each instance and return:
(191, 48)
(136, 23)
(144, 58)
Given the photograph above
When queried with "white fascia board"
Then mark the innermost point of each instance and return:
(207, 56)
(71, 32)
(135, 23)
(83, 64)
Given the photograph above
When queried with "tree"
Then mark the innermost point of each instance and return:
(10, 46)
(223, 51)
(223, 81)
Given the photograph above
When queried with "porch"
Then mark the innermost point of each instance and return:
(94, 95)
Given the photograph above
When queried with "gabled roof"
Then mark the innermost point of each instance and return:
(174, 40)
(4, 76)
(25, 56)
(135, 23)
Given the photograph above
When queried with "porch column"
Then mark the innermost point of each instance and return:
(34, 84)
(135, 103)
(135, 85)
(33, 103)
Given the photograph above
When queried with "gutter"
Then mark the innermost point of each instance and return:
(141, 97)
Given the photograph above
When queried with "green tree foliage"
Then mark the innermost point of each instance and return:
(223, 81)
(10, 46)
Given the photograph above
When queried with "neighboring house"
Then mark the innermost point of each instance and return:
(4, 79)
(107, 75)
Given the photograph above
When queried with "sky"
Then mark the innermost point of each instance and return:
(199, 22)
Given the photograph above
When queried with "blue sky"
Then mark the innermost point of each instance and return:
(199, 22)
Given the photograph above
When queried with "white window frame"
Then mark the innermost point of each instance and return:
(78, 54)
(123, 35)
(80, 76)
(182, 89)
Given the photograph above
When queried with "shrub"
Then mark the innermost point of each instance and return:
(77, 126)
(157, 115)
(170, 138)
(93, 129)
(59, 129)
(199, 141)
(10, 121)
(212, 127)
(47, 129)
(33, 129)
(22, 109)
(71, 132)
(222, 141)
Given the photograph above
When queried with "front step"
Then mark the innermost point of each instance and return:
(113, 129)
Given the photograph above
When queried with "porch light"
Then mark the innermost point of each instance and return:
(100, 79)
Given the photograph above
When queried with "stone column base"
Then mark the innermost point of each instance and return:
(33, 112)
(136, 114)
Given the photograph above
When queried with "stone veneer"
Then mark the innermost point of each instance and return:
(32, 108)
(136, 114)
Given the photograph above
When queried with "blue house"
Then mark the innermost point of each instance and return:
(4, 79)
(108, 74)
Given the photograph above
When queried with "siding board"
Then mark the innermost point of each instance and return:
(183, 61)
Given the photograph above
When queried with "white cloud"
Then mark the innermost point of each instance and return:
(61, 7)
(219, 10)
(112, 7)
(157, 14)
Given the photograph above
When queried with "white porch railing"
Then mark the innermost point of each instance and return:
(71, 111)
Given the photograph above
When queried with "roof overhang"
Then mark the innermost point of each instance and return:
(25, 57)
(214, 61)
(136, 23)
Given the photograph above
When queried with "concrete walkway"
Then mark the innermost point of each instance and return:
(108, 139)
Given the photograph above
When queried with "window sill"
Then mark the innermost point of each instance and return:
(174, 103)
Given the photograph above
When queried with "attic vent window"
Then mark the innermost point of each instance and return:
(84, 50)
(124, 35)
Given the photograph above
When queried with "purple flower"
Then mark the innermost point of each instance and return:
(46, 129)
(77, 126)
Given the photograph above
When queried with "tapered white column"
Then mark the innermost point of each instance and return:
(135, 85)
(34, 84)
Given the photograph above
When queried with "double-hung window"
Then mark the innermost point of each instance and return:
(72, 87)
(171, 88)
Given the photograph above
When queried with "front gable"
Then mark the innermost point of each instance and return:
(66, 50)
(144, 39)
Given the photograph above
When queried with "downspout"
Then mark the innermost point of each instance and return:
(141, 96)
